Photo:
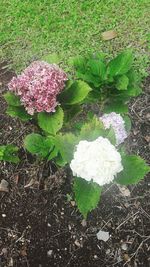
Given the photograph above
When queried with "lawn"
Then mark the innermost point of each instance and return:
(31, 29)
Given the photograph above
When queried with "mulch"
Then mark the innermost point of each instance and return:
(39, 222)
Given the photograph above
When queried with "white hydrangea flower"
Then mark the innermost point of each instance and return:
(115, 121)
(98, 160)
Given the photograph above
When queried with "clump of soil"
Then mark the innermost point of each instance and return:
(39, 222)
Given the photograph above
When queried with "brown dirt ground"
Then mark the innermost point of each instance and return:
(40, 227)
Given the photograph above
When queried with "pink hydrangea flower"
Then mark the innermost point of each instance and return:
(115, 121)
(38, 86)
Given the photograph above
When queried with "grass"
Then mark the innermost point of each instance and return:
(33, 28)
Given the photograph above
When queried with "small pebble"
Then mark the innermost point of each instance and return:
(124, 246)
(49, 253)
(95, 257)
(3, 215)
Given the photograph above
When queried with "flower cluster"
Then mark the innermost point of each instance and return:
(38, 86)
(98, 160)
(115, 121)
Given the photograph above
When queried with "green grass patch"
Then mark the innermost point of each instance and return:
(31, 29)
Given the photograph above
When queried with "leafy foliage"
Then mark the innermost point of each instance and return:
(51, 123)
(95, 128)
(75, 93)
(134, 170)
(121, 64)
(38, 144)
(12, 99)
(18, 112)
(122, 82)
(87, 195)
(113, 83)
(110, 84)
(9, 153)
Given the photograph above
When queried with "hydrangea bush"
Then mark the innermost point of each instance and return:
(92, 146)
(38, 86)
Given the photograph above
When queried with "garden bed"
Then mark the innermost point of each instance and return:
(40, 224)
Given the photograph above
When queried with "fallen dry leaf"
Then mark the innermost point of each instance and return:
(124, 190)
(73, 203)
(108, 35)
(147, 138)
(4, 186)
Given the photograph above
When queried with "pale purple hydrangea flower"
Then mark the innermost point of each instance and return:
(115, 121)
(38, 86)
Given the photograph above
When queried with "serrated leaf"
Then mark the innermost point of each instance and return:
(51, 122)
(93, 96)
(134, 81)
(89, 78)
(116, 106)
(71, 112)
(87, 195)
(38, 144)
(121, 64)
(76, 93)
(122, 82)
(92, 130)
(134, 169)
(97, 68)
(134, 91)
(79, 63)
(12, 99)
(60, 161)
(110, 134)
(127, 123)
(10, 153)
(53, 153)
(18, 112)
(66, 144)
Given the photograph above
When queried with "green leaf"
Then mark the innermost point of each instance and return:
(121, 64)
(89, 78)
(18, 112)
(87, 195)
(53, 153)
(111, 136)
(60, 161)
(71, 112)
(76, 93)
(79, 63)
(122, 82)
(116, 106)
(12, 99)
(51, 122)
(134, 81)
(127, 123)
(9, 153)
(92, 130)
(134, 91)
(97, 68)
(2, 150)
(38, 144)
(66, 144)
(134, 169)
(93, 96)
